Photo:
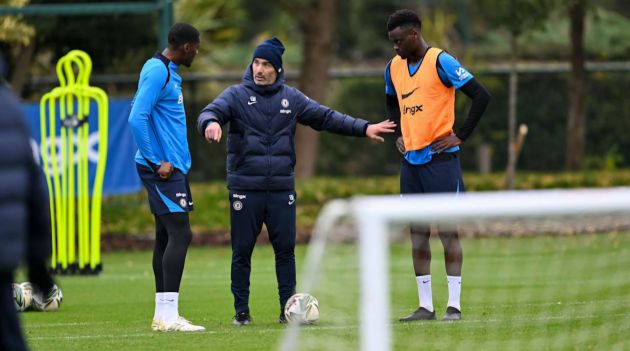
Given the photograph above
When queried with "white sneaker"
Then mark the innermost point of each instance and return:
(181, 324)
(156, 325)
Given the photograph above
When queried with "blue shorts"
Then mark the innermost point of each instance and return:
(441, 175)
(166, 195)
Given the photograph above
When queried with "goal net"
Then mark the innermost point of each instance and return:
(542, 269)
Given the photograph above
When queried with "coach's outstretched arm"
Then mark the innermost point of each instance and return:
(320, 117)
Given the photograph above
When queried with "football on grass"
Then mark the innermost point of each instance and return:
(49, 302)
(302, 308)
(23, 296)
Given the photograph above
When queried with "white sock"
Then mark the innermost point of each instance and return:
(159, 306)
(424, 291)
(454, 290)
(170, 300)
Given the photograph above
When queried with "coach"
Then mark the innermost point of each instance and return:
(263, 113)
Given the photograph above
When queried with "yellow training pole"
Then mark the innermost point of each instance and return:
(97, 193)
(59, 215)
(76, 226)
(46, 165)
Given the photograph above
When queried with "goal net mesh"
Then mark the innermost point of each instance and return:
(542, 270)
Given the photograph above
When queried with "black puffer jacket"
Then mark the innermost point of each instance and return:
(24, 213)
(261, 145)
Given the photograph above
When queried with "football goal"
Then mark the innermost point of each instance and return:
(542, 269)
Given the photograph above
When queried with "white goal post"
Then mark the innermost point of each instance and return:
(375, 214)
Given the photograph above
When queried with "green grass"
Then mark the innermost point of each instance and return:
(547, 292)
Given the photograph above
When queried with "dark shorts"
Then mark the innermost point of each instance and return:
(166, 195)
(442, 175)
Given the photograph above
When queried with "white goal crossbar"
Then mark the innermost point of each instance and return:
(375, 214)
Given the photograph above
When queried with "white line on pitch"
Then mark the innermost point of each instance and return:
(333, 327)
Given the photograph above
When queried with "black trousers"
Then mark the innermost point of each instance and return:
(249, 210)
(10, 333)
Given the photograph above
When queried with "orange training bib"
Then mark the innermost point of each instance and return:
(427, 107)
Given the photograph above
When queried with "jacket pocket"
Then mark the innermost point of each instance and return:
(235, 147)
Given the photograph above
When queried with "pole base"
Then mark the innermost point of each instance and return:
(74, 269)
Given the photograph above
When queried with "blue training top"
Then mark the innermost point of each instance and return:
(158, 119)
(452, 74)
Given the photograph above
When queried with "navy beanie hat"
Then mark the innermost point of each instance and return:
(271, 50)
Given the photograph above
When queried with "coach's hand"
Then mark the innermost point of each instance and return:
(165, 170)
(373, 131)
(400, 145)
(446, 143)
(213, 132)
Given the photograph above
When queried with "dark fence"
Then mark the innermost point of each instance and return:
(542, 106)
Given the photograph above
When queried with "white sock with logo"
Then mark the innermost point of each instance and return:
(424, 291)
(170, 302)
(454, 290)
(159, 306)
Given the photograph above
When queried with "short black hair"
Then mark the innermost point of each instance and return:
(182, 33)
(403, 18)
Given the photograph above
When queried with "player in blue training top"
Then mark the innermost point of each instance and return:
(420, 84)
(158, 125)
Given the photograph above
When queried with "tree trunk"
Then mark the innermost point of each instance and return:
(510, 171)
(576, 119)
(22, 60)
(317, 25)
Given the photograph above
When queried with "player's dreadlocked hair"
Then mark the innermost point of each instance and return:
(182, 33)
(403, 17)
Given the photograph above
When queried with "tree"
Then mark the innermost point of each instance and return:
(576, 119)
(316, 20)
(16, 38)
(115, 42)
(219, 21)
(517, 16)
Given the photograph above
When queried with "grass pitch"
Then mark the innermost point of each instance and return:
(547, 292)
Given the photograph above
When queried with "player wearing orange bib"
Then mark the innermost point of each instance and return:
(420, 84)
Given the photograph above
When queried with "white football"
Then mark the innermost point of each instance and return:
(302, 308)
(23, 296)
(50, 302)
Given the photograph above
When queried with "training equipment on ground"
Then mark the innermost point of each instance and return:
(65, 139)
(27, 298)
(302, 308)
(47, 302)
(23, 296)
